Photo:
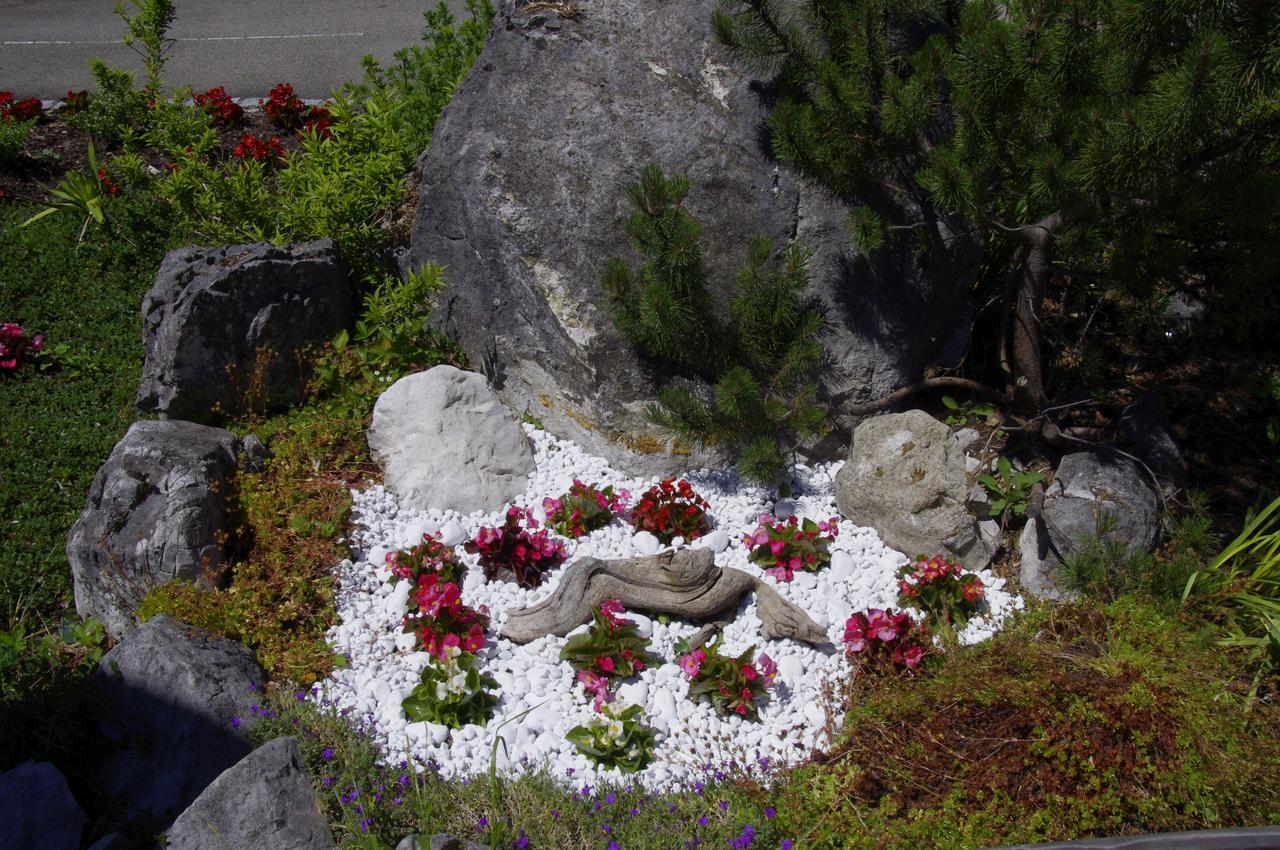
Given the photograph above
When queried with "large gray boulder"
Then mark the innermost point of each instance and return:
(156, 512)
(175, 702)
(1101, 495)
(37, 811)
(265, 801)
(906, 478)
(445, 440)
(523, 200)
(230, 329)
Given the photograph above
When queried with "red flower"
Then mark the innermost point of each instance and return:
(606, 664)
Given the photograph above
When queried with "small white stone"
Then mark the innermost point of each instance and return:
(842, 565)
(634, 693)
(717, 541)
(452, 533)
(645, 543)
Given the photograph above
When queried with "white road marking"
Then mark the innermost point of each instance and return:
(200, 38)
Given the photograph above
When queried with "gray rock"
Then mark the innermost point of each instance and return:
(523, 200)
(1093, 494)
(444, 440)
(1148, 435)
(439, 841)
(156, 512)
(174, 703)
(265, 801)
(37, 811)
(906, 478)
(229, 329)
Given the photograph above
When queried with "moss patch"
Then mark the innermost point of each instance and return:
(1076, 722)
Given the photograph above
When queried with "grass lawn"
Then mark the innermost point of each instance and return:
(59, 425)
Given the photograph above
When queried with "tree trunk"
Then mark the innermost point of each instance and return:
(1028, 362)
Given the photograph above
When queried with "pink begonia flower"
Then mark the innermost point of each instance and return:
(606, 664)
(776, 546)
(780, 573)
(749, 673)
(692, 662)
(768, 668)
(912, 656)
(741, 709)
(610, 609)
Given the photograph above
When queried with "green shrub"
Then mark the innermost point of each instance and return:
(425, 77)
(175, 127)
(13, 135)
(115, 109)
(761, 362)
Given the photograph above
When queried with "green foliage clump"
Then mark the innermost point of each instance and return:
(1008, 488)
(425, 77)
(453, 692)
(760, 362)
(13, 135)
(116, 108)
(1075, 721)
(616, 738)
(1106, 569)
(1077, 140)
(1240, 589)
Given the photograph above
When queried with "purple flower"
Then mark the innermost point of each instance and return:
(724, 805)
(522, 842)
(611, 799)
(702, 821)
(634, 810)
(300, 696)
(326, 753)
(586, 791)
(235, 722)
(770, 812)
(482, 823)
(396, 801)
(606, 828)
(786, 844)
(328, 780)
(697, 787)
(613, 845)
(555, 813)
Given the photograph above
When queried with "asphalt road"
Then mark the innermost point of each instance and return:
(247, 46)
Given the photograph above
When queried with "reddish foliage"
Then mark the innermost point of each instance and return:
(224, 111)
(282, 107)
(669, 509)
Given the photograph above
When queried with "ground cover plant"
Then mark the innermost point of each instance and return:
(1080, 720)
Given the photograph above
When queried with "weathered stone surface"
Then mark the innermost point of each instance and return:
(439, 841)
(444, 440)
(1148, 435)
(170, 695)
(1093, 494)
(906, 478)
(685, 583)
(228, 329)
(156, 511)
(265, 801)
(37, 809)
(523, 200)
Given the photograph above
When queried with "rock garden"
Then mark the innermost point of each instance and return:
(635, 425)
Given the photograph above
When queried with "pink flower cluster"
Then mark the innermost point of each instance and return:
(598, 686)
(584, 508)
(16, 346)
(942, 590)
(785, 547)
(881, 639)
(443, 621)
(732, 684)
(527, 554)
(429, 556)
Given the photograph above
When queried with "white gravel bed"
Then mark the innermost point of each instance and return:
(383, 669)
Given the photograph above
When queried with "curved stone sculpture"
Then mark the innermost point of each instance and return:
(684, 583)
